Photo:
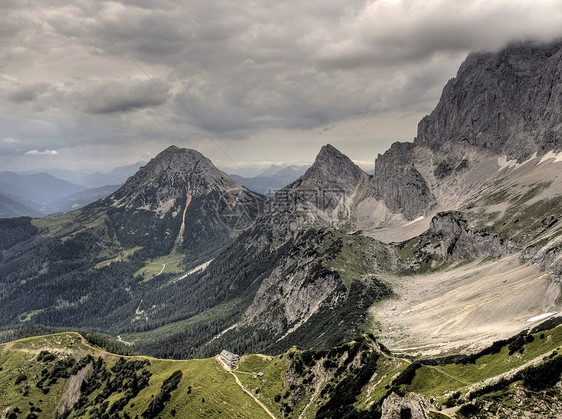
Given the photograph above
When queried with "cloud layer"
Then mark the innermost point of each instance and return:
(134, 76)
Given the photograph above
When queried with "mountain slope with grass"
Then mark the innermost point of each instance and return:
(68, 375)
(91, 267)
(180, 260)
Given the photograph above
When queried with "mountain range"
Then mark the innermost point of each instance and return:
(272, 179)
(453, 243)
(42, 194)
(56, 191)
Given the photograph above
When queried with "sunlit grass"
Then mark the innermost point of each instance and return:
(434, 381)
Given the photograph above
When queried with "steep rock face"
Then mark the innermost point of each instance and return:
(294, 290)
(399, 184)
(508, 102)
(330, 183)
(502, 103)
(458, 242)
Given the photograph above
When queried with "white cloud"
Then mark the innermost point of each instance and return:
(399, 32)
(40, 153)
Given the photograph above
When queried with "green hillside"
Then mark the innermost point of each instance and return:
(63, 375)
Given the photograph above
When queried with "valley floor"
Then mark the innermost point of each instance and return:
(465, 307)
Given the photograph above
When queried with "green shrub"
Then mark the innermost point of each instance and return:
(469, 410)
(407, 376)
(517, 345)
(543, 376)
(20, 378)
(159, 403)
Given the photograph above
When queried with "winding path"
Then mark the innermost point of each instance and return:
(263, 406)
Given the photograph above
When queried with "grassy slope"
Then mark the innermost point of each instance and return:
(437, 381)
(304, 381)
(214, 392)
(270, 384)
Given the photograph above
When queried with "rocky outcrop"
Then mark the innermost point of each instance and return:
(293, 292)
(509, 102)
(399, 184)
(549, 259)
(457, 242)
(412, 405)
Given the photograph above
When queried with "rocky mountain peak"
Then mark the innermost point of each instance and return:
(331, 185)
(504, 103)
(332, 169)
(184, 202)
(187, 166)
(329, 151)
(171, 174)
(507, 103)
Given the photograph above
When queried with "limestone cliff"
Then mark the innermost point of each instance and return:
(508, 102)
(399, 184)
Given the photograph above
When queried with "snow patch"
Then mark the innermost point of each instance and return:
(551, 155)
(541, 317)
(504, 163)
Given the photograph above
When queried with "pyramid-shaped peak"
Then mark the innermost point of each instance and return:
(181, 160)
(332, 169)
(329, 151)
(174, 152)
(331, 160)
(175, 170)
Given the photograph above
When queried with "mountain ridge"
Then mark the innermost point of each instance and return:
(80, 375)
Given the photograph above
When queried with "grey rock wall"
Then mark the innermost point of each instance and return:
(509, 102)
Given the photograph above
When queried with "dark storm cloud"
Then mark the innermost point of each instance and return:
(122, 96)
(27, 93)
(405, 31)
(77, 73)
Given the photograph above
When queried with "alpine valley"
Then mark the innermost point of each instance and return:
(428, 289)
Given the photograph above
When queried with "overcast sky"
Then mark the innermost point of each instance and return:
(91, 84)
